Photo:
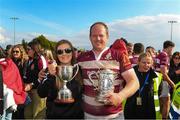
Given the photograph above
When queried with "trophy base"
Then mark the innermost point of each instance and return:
(101, 99)
(64, 101)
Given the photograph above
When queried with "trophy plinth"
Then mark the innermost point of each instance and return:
(65, 74)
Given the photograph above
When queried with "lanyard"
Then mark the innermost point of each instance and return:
(141, 89)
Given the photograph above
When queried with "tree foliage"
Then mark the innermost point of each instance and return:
(45, 43)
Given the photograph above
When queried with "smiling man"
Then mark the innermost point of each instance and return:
(99, 58)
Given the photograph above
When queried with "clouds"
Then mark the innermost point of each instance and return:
(3, 36)
(149, 30)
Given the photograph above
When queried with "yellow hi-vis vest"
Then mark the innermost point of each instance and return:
(157, 82)
(175, 104)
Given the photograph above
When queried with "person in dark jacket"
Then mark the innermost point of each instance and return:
(19, 57)
(36, 62)
(144, 104)
(174, 69)
(11, 87)
(49, 87)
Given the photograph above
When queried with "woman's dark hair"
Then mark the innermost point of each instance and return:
(63, 41)
(36, 46)
(173, 56)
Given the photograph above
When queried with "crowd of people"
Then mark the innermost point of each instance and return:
(146, 84)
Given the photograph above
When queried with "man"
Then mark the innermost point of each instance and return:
(130, 49)
(137, 50)
(162, 64)
(99, 58)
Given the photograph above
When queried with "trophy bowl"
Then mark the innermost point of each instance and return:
(65, 74)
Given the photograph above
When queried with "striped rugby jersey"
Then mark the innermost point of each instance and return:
(108, 59)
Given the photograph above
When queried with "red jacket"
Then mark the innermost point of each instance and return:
(12, 78)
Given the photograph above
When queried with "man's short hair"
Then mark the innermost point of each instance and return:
(167, 44)
(130, 44)
(138, 48)
(100, 23)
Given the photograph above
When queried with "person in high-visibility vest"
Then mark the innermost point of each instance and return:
(144, 104)
(175, 104)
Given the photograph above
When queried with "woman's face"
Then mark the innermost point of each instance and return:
(145, 64)
(176, 59)
(64, 54)
(30, 52)
(16, 53)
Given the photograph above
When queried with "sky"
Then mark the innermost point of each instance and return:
(144, 21)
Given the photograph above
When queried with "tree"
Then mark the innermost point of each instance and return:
(24, 43)
(44, 42)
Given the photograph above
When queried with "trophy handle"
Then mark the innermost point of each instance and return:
(75, 65)
(91, 80)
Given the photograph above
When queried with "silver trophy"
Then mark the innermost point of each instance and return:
(65, 74)
(105, 83)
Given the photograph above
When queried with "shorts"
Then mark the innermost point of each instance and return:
(165, 89)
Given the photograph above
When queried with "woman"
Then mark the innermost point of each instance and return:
(49, 87)
(20, 58)
(11, 87)
(174, 69)
(144, 104)
(36, 62)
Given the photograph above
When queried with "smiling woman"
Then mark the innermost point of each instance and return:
(20, 58)
(60, 106)
(144, 104)
(11, 87)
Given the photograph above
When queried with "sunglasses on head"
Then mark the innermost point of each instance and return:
(67, 50)
(15, 51)
(29, 48)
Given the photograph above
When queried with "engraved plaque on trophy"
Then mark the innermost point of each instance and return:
(105, 83)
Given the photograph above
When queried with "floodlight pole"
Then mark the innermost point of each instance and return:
(172, 22)
(14, 19)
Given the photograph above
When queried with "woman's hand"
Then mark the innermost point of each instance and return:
(28, 87)
(52, 68)
(41, 75)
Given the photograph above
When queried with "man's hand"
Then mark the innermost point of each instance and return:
(114, 98)
(177, 72)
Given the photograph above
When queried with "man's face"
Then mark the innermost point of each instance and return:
(99, 37)
(170, 51)
(130, 50)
